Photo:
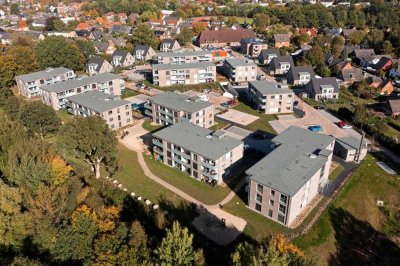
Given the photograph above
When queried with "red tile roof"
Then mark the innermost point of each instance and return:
(224, 36)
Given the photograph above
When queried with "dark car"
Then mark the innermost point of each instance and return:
(319, 107)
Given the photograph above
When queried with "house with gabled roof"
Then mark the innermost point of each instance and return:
(144, 52)
(223, 38)
(323, 89)
(280, 65)
(266, 55)
(98, 65)
(393, 107)
(121, 58)
(282, 40)
(299, 75)
(104, 47)
(169, 45)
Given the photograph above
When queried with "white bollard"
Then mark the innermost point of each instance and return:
(139, 198)
(133, 194)
(148, 202)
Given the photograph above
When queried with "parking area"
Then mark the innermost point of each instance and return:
(314, 117)
(237, 117)
(213, 97)
(252, 140)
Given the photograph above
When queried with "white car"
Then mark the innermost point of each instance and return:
(204, 98)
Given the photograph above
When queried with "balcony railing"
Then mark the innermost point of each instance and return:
(210, 174)
(158, 143)
(184, 155)
(209, 165)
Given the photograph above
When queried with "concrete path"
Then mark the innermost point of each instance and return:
(234, 225)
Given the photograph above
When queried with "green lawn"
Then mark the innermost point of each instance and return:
(336, 172)
(258, 226)
(219, 124)
(128, 93)
(199, 190)
(359, 216)
(147, 124)
(259, 124)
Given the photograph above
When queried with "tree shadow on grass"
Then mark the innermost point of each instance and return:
(358, 243)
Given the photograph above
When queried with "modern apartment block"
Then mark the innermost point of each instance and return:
(239, 70)
(170, 108)
(29, 84)
(184, 57)
(55, 95)
(284, 182)
(271, 97)
(253, 46)
(198, 151)
(188, 73)
(116, 112)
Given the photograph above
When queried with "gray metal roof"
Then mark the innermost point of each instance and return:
(98, 101)
(198, 139)
(288, 167)
(350, 143)
(79, 82)
(236, 62)
(48, 73)
(267, 87)
(185, 53)
(180, 102)
(183, 66)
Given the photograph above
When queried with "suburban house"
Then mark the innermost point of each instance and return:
(253, 46)
(29, 84)
(188, 73)
(386, 87)
(171, 108)
(383, 64)
(223, 37)
(363, 56)
(266, 55)
(184, 57)
(395, 71)
(144, 52)
(239, 70)
(169, 45)
(122, 58)
(116, 112)
(282, 40)
(393, 107)
(347, 149)
(197, 151)
(299, 75)
(270, 97)
(105, 47)
(123, 29)
(312, 32)
(323, 89)
(349, 76)
(98, 65)
(54, 95)
(280, 65)
(284, 182)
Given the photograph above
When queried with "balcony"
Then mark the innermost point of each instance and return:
(158, 143)
(181, 162)
(158, 150)
(148, 112)
(183, 154)
(209, 165)
(210, 174)
(148, 106)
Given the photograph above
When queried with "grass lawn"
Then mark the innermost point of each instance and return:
(147, 124)
(359, 216)
(259, 124)
(219, 124)
(128, 93)
(199, 190)
(339, 168)
(63, 115)
(258, 226)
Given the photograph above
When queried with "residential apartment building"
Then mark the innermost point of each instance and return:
(188, 73)
(184, 57)
(198, 151)
(55, 95)
(171, 108)
(253, 46)
(116, 112)
(29, 84)
(284, 182)
(239, 70)
(271, 97)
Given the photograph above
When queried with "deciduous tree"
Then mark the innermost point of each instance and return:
(144, 35)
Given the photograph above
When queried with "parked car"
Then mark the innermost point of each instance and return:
(319, 107)
(315, 128)
(227, 104)
(343, 124)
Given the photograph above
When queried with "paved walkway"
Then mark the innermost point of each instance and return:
(233, 225)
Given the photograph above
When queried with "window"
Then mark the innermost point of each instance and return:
(194, 157)
(126, 106)
(283, 199)
(270, 213)
(78, 90)
(260, 188)
(322, 172)
(128, 120)
(112, 126)
(282, 208)
(259, 198)
(281, 218)
(111, 119)
(258, 207)
(127, 113)
(110, 83)
(117, 110)
(271, 203)
(273, 97)
(110, 112)
(272, 193)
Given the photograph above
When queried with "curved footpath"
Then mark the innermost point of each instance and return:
(131, 142)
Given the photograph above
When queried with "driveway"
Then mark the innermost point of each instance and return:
(312, 117)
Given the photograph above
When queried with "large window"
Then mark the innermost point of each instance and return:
(282, 208)
(259, 198)
(283, 199)
(271, 203)
(258, 207)
(270, 213)
(260, 188)
(281, 218)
